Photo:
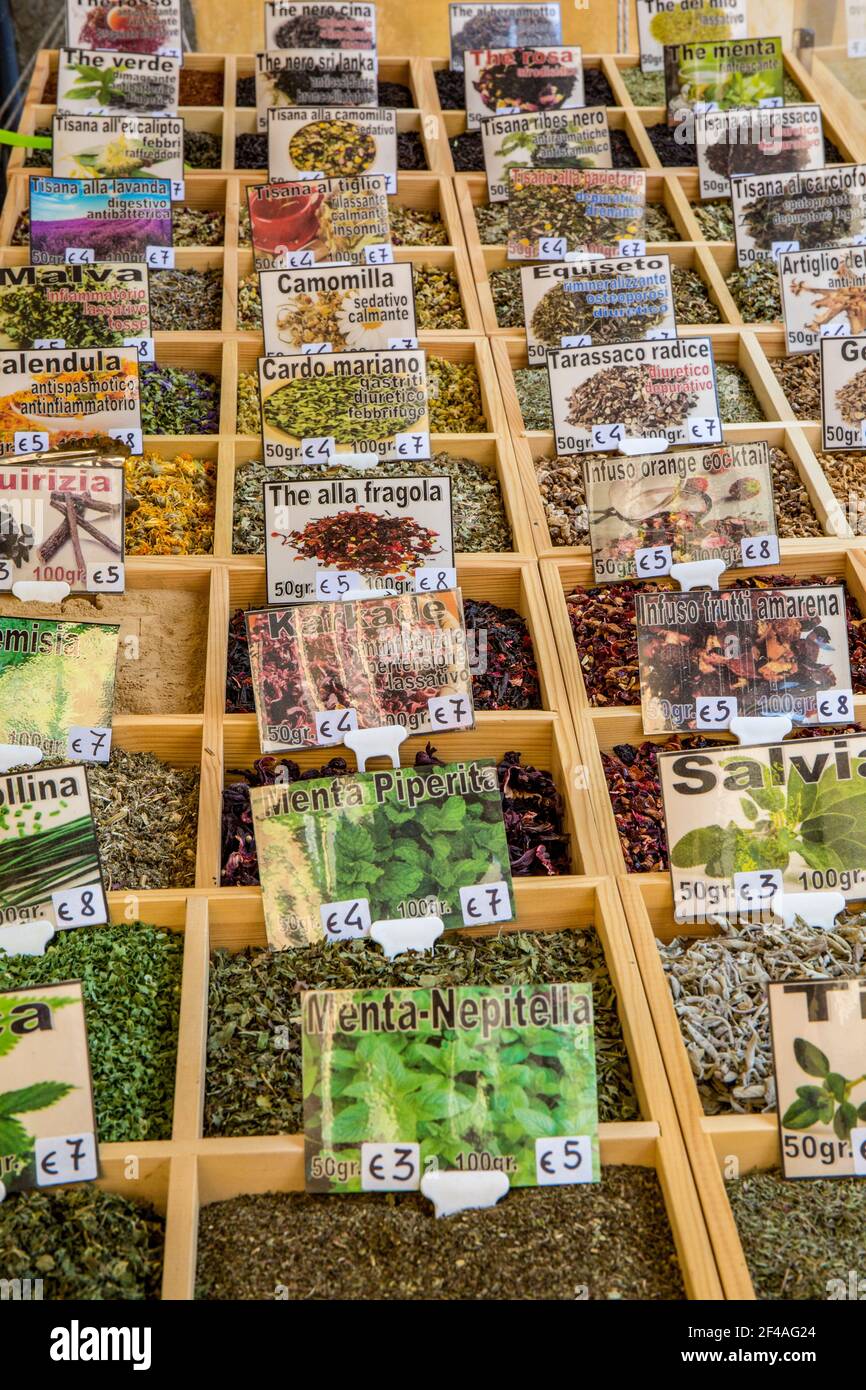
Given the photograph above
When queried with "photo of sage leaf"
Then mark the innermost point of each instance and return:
(827, 1104)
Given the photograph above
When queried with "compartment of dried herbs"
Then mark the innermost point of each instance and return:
(846, 474)
(798, 1236)
(467, 151)
(480, 521)
(253, 1081)
(715, 219)
(178, 400)
(531, 805)
(603, 626)
(131, 978)
(416, 226)
(719, 988)
(738, 404)
(83, 1243)
(146, 814)
(170, 505)
(202, 149)
(186, 301)
(606, 1240)
(755, 291)
(799, 376)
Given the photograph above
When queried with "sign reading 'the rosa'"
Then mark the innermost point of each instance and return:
(604, 396)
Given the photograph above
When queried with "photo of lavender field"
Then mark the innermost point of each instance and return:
(116, 220)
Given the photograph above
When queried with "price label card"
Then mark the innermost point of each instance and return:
(390, 1167)
(313, 140)
(605, 395)
(651, 561)
(594, 210)
(85, 392)
(346, 921)
(609, 299)
(369, 403)
(548, 140)
(836, 707)
(159, 257)
(106, 578)
(145, 347)
(332, 725)
(90, 145)
(308, 525)
(380, 254)
(484, 903)
(756, 889)
(361, 309)
(90, 82)
(759, 550)
(354, 840)
(780, 214)
(68, 863)
(706, 656)
(716, 803)
(80, 221)
(450, 712)
(551, 76)
(50, 1134)
(387, 658)
(46, 342)
(90, 745)
(563, 1161)
(818, 1030)
(455, 1048)
(764, 141)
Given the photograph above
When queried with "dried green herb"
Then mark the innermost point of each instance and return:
(202, 149)
(738, 403)
(606, 1240)
(480, 522)
(533, 395)
(799, 376)
(186, 301)
(644, 88)
(800, 1239)
(715, 219)
(756, 292)
(416, 226)
(249, 304)
(492, 222)
(254, 1038)
(692, 302)
(131, 977)
(83, 1243)
(197, 227)
(146, 816)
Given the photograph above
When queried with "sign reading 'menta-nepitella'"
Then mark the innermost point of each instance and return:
(399, 1082)
(746, 823)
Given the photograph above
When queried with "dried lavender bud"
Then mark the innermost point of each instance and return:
(178, 400)
(799, 376)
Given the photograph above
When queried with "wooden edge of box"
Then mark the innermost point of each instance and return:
(731, 1261)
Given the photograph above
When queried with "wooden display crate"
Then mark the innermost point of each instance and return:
(715, 1144)
(182, 1175)
(600, 728)
(730, 344)
(687, 256)
(230, 120)
(471, 191)
(452, 258)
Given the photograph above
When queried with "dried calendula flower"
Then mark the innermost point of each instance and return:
(170, 505)
(250, 306)
(438, 304)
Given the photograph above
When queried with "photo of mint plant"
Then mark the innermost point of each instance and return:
(829, 1103)
(455, 1092)
(823, 822)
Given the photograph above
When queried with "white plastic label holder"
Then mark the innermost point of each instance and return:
(19, 755)
(816, 909)
(381, 742)
(40, 590)
(451, 1191)
(399, 935)
(698, 574)
(750, 730)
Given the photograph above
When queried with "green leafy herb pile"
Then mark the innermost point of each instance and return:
(131, 976)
